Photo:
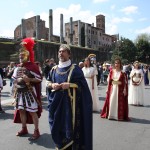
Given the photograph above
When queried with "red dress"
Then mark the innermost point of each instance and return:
(121, 101)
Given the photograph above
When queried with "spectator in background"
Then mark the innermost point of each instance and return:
(4, 72)
(126, 69)
(47, 68)
(146, 74)
(93, 61)
(1, 72)
(10, 72)
(81, 64)
(11, 68)
(52, 63)
(105, 73)
(1, 87)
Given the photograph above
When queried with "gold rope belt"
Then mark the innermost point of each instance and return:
(116, 82)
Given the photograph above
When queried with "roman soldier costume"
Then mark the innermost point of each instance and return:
(27, 94)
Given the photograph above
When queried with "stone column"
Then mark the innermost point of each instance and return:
(50, 25)
(37, 27)
(61, 29)
(90, 37)
(71, 31)
(79, 33)
(86, 35)
(23, 28)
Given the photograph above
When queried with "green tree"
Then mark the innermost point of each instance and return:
(144, 36)
(128, 50)
(125, 49)
(143, 48)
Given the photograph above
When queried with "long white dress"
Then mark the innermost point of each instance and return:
(113, 106)
(88, 73)
(136, 93)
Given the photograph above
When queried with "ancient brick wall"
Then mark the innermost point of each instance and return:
(44, 50)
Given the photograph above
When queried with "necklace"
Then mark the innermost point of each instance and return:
(62, 73)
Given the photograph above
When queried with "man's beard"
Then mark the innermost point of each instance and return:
(63, 59)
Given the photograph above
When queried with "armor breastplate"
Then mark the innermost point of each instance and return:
(20, 83)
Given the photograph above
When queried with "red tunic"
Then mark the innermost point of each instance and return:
(122, 100)
(34, 68)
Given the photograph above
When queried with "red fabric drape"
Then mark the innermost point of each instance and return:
(122, 100)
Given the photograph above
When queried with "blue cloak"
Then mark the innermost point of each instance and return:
(68, 127)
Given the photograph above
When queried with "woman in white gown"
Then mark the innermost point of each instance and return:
(136, 88)
(89, 74)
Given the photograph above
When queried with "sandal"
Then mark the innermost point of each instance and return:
(36, 135)
(23, 131)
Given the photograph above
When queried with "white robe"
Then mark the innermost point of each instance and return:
(113, 106)
(88, 73)
(136, 93)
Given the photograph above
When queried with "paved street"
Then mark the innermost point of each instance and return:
(107, 135)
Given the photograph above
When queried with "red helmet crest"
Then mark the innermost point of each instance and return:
(28, 44)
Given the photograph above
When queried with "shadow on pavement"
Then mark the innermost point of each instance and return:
(6, 115)
(8, 107)
(138, 120)
(45, 140)
(44, 103)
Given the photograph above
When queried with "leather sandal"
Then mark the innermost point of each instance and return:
(36, 135)
(23, 131)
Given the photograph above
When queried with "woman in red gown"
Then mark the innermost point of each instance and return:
(116, 102)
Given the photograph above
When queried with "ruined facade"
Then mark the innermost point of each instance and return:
(94, 37)
(77, 33)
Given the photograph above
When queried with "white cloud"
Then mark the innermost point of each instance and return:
(130, 10)
(29, 15)
(100, 1)
(117, 20)
(111, 29)
(7, 33)
(72, 11)
(77, 14)
(113, 23)
(144, 30)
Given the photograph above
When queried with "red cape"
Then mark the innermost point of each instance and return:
(122, 100)
(34, 68)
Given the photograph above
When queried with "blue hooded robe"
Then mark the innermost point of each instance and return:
(70, 110)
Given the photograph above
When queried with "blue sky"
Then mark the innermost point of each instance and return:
(129, 18)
